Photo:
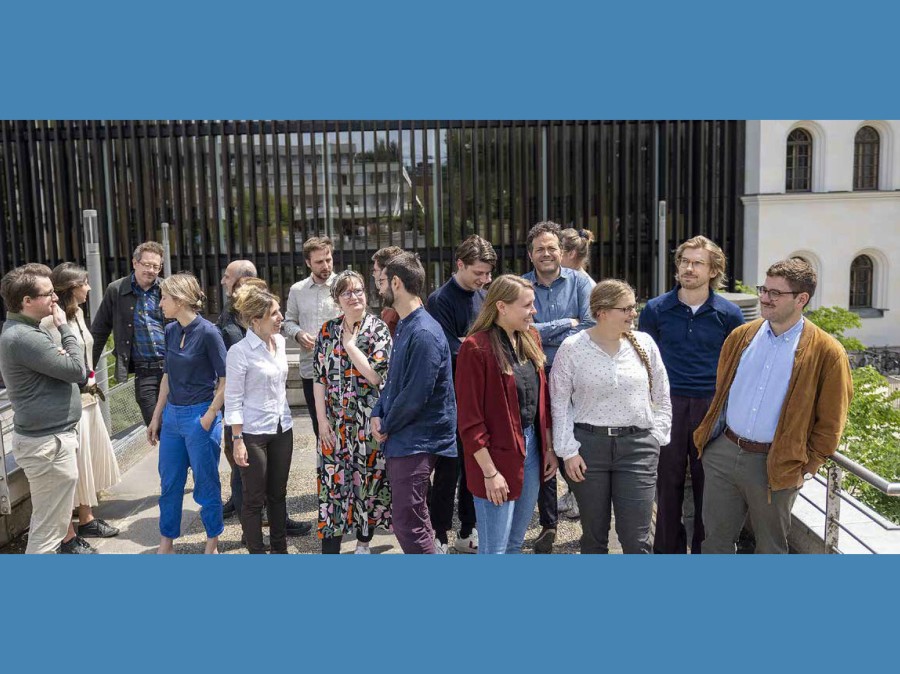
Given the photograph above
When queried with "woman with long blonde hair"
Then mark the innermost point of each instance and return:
(611, 413)
(503, 414)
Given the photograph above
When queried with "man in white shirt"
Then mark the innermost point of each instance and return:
(309, 306)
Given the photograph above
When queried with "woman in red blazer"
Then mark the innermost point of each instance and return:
(504, 415)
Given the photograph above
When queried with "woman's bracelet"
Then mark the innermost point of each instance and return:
(491, 477)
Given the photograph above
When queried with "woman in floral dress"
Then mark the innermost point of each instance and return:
(351, 362)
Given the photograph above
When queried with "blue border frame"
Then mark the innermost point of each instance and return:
(460, 61)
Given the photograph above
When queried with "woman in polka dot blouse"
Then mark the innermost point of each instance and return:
(609, 395)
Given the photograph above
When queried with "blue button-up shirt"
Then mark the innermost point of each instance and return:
(194, 370)
(149, 324)
(567, 297)
(761, 382)
(690, 343)
(417, 406)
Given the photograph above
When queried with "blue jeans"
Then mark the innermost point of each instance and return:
(183, 443)
(501, 528)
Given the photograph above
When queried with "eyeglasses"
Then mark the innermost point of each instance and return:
(631, 308)
(696, 264)
(50, 294)
(358, 292)
(775, 294)
(149, 266)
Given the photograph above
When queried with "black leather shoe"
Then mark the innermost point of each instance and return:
(295, 528)
(228, 509)
(77, 546)
(543, 544)
(97, 528)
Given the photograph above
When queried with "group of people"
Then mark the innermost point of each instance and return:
(474, 399)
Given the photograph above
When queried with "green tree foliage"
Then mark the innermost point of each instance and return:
(383, 152)
(872, 435)
(836, 321)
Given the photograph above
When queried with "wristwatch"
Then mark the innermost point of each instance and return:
(237, 437)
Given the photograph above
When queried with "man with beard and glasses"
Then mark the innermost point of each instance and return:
(309, 307)
(415, 416)
(379, 261)
(689, 324)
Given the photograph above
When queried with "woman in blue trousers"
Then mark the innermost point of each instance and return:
(190, 396)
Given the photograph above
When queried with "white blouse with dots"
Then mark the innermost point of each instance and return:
(589, 386)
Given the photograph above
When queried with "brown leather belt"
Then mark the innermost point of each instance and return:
(747, 445)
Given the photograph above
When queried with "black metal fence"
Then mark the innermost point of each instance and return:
(257, 189)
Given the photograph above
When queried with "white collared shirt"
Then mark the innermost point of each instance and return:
(587, 385)
(309, 307)
(255, 386)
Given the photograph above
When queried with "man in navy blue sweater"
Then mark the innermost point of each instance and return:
(689, 324)
(415, 417)
(454, 306)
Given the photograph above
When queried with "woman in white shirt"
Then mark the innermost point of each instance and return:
(257, 410)
(576, 246)
(609, 395)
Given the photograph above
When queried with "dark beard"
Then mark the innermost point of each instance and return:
(388, 297)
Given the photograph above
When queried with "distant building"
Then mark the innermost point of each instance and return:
(829, 191)
(346, 189)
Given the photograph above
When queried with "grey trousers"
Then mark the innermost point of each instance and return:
(620, 476)
(737, 484)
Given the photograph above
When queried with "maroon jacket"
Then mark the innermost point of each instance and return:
(488, 415)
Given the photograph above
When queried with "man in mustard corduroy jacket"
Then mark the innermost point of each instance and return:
(783, 387)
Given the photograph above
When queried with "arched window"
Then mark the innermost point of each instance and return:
(862, 273)
(798, 176)
(866, 153)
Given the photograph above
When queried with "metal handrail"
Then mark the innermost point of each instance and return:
(833, 488)
(874, 479)
(5, 405)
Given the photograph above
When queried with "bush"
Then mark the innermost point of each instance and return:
(872, 438)
(872, 435)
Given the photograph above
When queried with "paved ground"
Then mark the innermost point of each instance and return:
(132, 506)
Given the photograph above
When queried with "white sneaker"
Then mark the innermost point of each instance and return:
(440, 548)
(467, 545)
(362, 549)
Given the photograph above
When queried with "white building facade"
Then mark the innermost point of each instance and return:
(829, 191)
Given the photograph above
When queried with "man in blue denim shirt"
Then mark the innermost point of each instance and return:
(689, 324)
(562, 298)
(415, 417)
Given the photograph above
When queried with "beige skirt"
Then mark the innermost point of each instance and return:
(97, 465)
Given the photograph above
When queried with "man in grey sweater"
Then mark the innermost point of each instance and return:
(42, 380)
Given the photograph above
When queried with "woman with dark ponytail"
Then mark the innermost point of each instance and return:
(611, 413)
(97, 465)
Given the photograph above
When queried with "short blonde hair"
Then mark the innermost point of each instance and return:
(252, 302)
(184, 287)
